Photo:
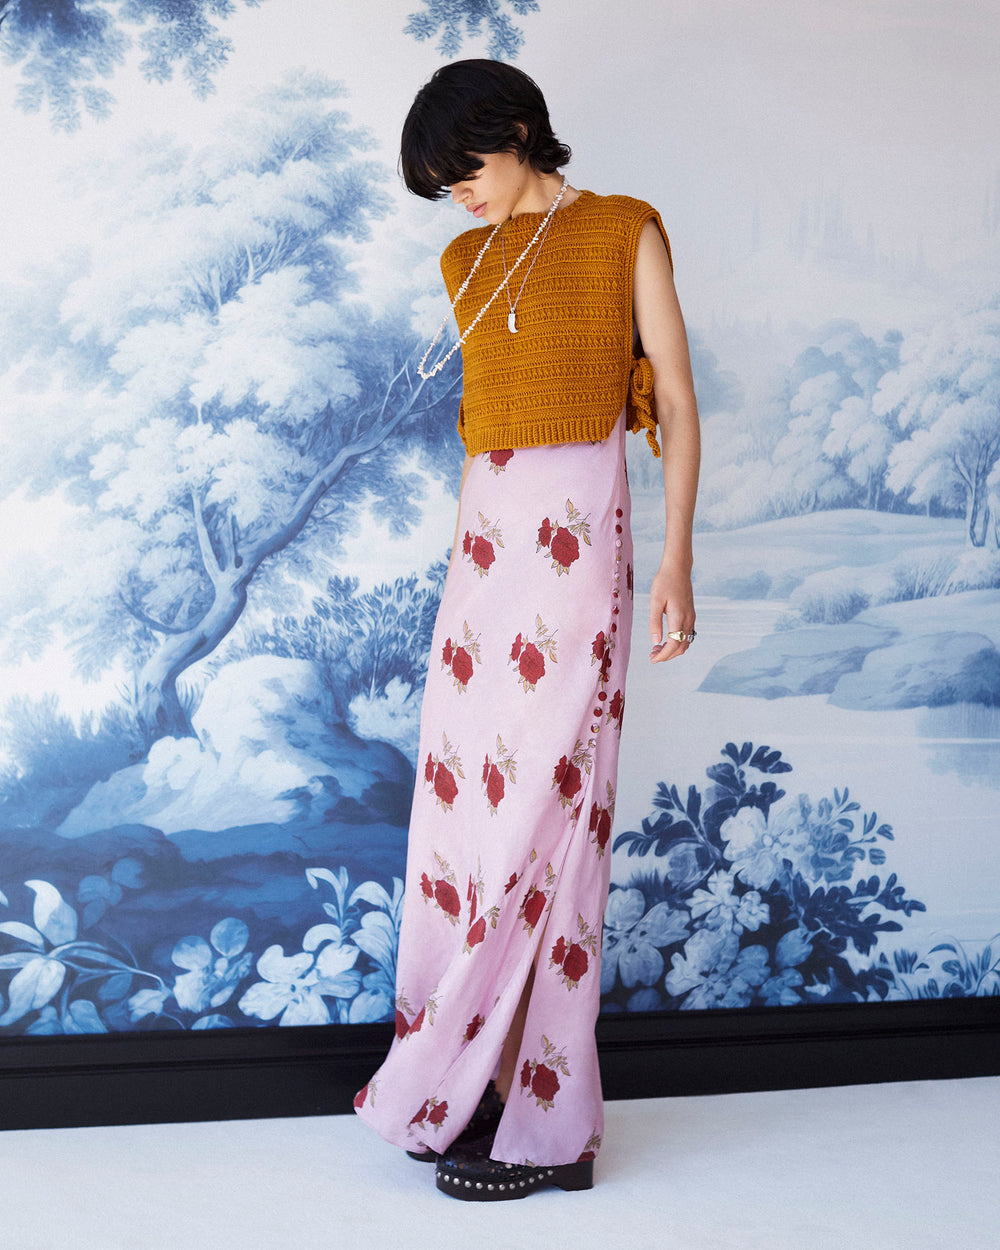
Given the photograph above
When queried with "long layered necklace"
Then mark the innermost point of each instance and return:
(508, 274)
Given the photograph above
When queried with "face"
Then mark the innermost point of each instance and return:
(493, 192)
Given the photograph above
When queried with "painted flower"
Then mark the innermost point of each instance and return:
(295, 986)
(422, 1113)
(634, 938)
(359, 1097)
(483, 554)
(616, 708)
(467, 543)
(417, 1023)
(526, 1075)
(499, 459)
(427, 885)
(757, 843)
(565, 547)
(544, 534)
(473, 1027)
(515, 649)
(429, 769)
(559, 951)
(515, 877)
(476, 933)
(212, 972)
(447, 652)
(532, 664)
(402, 1027)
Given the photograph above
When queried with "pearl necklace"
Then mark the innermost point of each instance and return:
(436, 368)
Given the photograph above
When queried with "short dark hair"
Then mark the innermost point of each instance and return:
(475, 106)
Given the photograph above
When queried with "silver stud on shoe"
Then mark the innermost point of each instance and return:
(490, 1186)
(502, 1187)
(550, 1171)
(468, 1184)
(479, 1184)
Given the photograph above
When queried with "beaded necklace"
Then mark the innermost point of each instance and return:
(436, 368)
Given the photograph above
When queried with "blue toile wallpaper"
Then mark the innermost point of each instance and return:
(226, 502)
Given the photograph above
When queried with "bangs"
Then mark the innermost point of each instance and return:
(432, 163)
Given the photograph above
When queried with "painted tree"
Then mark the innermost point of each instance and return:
(205, 381)
(451, 20)
(946, 394)
(64, 45)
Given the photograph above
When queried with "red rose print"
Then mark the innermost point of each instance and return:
(595, 815)
(402, 1028)
(533, 906)
(576, 962)
(447, 898)
(567, 777)
(477, 932)
(427, 885)
(616, 708)
(526, 1075)
(418, 1021)
(628, 577)
(444, 784)
(360, 1096)
(565, 547)
(461, 665)
(500, 458)
(482, 552)
(515, 650)
(559, 951)
(514, 879)
(429, 769)
(597, 649)
(586, 1156)
(447, 651)
(604, 829)
(475, 1024)
(544, 533)
(472, 898)
(544, 1084)
(532, 665)
(494, 786)
(421, 1114)
(467, 543)
(437, 1114)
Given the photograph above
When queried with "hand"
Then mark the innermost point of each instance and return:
(671, 597)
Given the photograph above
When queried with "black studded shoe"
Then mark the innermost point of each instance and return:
(481, 1128)
(463, 1175)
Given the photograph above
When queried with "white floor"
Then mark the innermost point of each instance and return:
(907, 1166)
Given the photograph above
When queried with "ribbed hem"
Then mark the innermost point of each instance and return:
(537, 433)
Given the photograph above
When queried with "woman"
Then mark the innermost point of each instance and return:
(570, 332)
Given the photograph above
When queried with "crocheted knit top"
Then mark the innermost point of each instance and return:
(570, 369)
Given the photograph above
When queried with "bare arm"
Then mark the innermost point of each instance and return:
(664, 340)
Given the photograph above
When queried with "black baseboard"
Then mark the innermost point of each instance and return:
(58, 1082)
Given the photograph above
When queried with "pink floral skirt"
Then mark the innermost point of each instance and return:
(509, 843)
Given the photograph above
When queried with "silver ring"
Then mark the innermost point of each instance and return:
(679, 635)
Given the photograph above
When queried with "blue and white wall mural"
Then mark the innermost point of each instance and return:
(226, 501)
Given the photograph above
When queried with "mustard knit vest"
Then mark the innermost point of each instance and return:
(568, 372)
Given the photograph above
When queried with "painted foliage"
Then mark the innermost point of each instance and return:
(220, 574)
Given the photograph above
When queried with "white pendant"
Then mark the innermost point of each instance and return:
(512, 322)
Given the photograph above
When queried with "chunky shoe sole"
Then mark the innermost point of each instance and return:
(487, 1180)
